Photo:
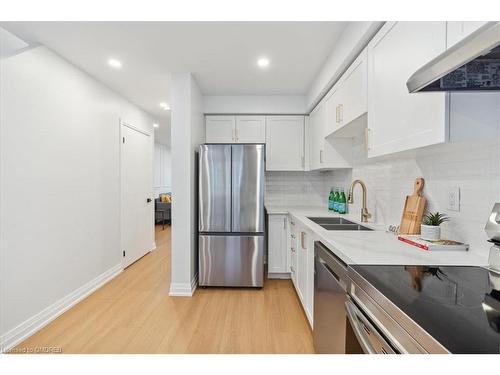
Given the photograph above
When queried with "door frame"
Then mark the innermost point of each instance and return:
(150, 135)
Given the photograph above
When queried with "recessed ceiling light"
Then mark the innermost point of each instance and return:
(165, 106)
(155, 125)
(115, 63)
(263, 62)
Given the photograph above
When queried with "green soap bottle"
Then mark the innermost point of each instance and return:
(342, 205)
(331, 200)
(336, 199)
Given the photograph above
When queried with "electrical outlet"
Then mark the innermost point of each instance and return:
(454, 199)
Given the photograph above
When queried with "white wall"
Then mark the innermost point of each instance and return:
(296, 188)
(162, 169)
(471, 161)
(188, 131)
(59, 185)
(254, 104)
(354, 38)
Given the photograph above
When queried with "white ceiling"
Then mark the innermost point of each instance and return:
(221, 55)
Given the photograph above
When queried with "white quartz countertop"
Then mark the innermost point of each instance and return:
(373, 247)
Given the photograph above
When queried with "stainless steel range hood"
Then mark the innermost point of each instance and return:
(472, 64)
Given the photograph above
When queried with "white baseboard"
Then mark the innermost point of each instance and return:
(44, 317)
(183, 289)
(279, 275)
(153, 246)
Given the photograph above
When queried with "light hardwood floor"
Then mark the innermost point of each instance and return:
(134, 314)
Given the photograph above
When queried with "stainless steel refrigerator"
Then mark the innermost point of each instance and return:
(231, 215)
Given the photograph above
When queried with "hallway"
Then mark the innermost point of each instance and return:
(134, 314)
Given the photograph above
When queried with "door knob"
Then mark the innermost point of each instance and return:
(148, 200)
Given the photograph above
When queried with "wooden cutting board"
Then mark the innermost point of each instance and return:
(413, 210)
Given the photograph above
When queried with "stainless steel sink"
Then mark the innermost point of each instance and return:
(344, 227)
(330, 220)
(337, 223)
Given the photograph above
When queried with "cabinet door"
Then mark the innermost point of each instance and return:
(285, 143)
(219, 129)
(457, 30)
(353, 91)
(314, 140)
(310, 278)
(302, 251)
(293, 251)
(250, 129)
(398, 120)
(277, 241)
(327, 153)
(332, 104)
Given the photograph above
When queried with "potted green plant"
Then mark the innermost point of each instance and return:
(430, 229)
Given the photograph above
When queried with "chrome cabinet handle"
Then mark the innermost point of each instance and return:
(341, 116)
(236, 134)
(321, 156)
(353, 319)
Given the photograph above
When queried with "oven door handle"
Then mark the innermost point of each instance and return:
(358, 331)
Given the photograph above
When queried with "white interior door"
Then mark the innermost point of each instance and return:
(136, 192)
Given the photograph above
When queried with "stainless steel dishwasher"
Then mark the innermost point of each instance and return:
(330, 284)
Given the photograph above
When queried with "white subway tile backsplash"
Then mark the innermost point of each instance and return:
(475, 169)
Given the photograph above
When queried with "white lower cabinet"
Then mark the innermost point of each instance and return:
(304, 274)
(292, 244)
(310, 278)
(277, 246)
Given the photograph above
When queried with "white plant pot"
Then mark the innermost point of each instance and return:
(430, 232)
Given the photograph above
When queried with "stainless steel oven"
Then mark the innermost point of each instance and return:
(361, 334)
(376, 326)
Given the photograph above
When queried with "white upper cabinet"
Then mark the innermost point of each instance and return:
(457, 30)
(220, 129)
(326, 153)
(348, 99)
(285, 143)
(250, 129)
(398, 120)
(235, 129)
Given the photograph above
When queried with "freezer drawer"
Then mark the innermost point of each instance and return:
(231, 260)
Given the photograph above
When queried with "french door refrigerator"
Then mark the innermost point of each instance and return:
(231, 215)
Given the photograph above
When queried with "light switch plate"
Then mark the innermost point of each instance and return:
(454, 199)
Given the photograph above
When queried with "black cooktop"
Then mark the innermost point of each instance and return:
(458, 306)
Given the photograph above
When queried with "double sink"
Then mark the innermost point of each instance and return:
(337, 223)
